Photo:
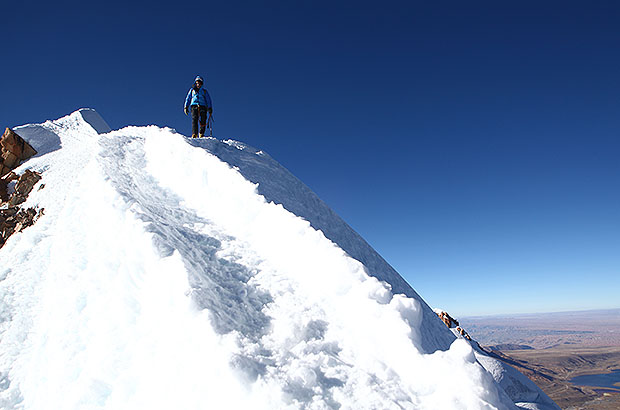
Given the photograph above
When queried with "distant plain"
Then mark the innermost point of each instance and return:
(552, 348)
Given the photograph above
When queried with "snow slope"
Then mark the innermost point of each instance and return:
(523, 392)
(171, 273)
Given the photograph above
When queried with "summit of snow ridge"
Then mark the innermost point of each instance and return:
(44, 138)
(205, 268)
(95, 120)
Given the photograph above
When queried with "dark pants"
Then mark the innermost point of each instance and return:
(199, 111)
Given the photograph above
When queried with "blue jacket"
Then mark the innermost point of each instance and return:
(200, 97)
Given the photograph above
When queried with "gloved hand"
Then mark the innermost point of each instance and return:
(210, 110)
(186, 111)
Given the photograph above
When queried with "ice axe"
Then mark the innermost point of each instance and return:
(210, 121)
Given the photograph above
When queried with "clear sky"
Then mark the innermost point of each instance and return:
(475, 145)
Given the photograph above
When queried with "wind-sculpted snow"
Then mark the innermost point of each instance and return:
(517, 386)
(161, 278)
(278, 185)
(217, 284)
(94, 120)
(40, 138)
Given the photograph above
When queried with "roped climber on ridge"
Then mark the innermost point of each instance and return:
(199, 101)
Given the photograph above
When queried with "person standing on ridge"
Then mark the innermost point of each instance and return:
(199, 101)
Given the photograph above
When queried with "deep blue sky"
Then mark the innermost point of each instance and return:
(475, 145)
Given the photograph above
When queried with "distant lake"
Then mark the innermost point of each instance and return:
(598, 380)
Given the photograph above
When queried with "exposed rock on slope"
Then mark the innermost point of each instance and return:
(14, 149)
(12, 217)
(452, 323)
(23, 187)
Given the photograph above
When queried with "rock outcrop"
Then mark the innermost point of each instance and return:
(452, 323)
(23, 187)
(13, 150)
(12, 217)
(446, 318)
(16, 220)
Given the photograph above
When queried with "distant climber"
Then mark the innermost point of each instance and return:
(199, 101)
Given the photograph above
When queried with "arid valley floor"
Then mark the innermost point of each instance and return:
(553, 348)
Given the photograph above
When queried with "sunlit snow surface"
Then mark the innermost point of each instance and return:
(160, 278)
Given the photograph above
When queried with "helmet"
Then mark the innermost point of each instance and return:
(199, 78)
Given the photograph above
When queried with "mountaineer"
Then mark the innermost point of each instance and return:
(199, 101)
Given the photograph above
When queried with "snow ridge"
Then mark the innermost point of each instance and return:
(276, 184)
(163, 276)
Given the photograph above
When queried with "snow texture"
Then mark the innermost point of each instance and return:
(519, 388)
(191, 274)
